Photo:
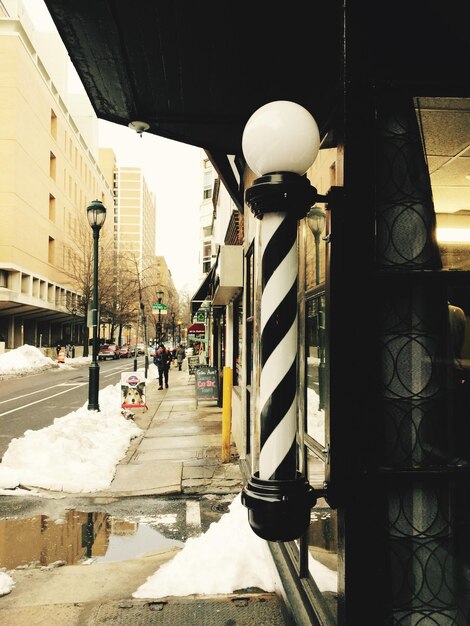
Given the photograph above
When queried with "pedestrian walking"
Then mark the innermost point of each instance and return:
(58, 348)
(162, 360)
(180, 356)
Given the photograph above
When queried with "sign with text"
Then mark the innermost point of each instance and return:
(193, 362)
(159, 309)
(207, 383)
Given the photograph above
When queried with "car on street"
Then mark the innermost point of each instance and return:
(140, 348)
(108, 351)
(125, 352)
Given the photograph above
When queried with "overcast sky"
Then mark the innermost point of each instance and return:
(173, 171)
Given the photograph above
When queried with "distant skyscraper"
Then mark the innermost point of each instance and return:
(134, 216)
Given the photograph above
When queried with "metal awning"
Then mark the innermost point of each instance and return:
(196, 72)
(204, 291)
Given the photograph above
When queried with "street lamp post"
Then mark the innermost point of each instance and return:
(173, 328)
(144, 330)
(74, 313)
(280, 142)
(159, 329)
(179, 331)
(96, 214)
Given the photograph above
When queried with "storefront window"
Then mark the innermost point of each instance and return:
(315, 357)
(238, 340)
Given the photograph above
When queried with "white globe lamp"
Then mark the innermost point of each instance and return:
(281, 136)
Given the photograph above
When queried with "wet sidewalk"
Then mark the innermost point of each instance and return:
(179, 451)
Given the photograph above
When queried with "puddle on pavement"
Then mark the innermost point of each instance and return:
(41, 541)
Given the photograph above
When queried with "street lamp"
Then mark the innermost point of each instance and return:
(74, 313)
(179, 331)
(173, 328)
(280, 142)
(96, 214)
(159, 329)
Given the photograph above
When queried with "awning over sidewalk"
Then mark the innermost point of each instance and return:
(197, 331)
(204, 291)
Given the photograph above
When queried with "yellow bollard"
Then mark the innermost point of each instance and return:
(226, 413)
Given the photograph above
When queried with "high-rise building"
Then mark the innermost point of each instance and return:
(50, 173)
(134, 217)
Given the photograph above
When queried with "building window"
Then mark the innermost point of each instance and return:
(237, 340)
(53, 124)
(52, 166)
(51, 208)
(315, 358)
(3, 278)
(51, 251)
(207, 185)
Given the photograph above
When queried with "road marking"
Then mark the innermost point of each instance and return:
(33, 393)
(25, 406)
(193, 517)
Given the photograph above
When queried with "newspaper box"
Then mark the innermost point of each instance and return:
(132, 391)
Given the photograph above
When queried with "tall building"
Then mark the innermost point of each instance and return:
(206, 217)
(50, 173)
(134, 217)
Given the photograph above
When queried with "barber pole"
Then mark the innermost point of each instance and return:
(278, 496)
(278, 406)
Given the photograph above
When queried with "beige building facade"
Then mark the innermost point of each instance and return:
(48, 177)
(134, 216)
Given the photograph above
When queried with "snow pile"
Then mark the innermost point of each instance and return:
(77, 453)
(24, 361)
(228, 557)
(6, 583)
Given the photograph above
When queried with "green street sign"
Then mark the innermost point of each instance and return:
(159, 307)
(200, 317)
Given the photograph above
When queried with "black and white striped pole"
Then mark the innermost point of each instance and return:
(280, 142)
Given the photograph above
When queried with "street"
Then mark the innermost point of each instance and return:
(33, 402)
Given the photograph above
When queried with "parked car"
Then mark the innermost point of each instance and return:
(125, 352)
(108, 351)
(140, 348)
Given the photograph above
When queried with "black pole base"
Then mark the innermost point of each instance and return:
(278, 510)
(93, 387)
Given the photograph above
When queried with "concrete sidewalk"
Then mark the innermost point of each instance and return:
(179, 451)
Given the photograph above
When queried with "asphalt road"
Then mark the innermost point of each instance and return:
(33, 402)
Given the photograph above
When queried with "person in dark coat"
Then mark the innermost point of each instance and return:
(162, 360)
(180, 356)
